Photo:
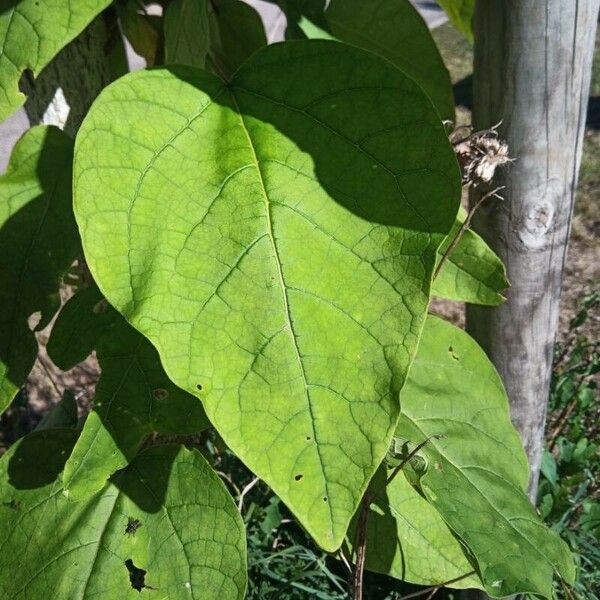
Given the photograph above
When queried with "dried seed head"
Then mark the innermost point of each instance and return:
(479, 155)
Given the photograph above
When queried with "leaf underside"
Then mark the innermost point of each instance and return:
(31, 34)
(407, 538)
(38, 242)
(477, 474)
(164, 526)
(274, 237)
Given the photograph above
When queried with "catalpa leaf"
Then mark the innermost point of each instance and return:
(31, 34)
(408, 539)
(165, 526)
(38, 243)
(477, 473)
(472, 271)
(393, 29)
(237, 32)
(187, 34)
(133, 397)
(274, 237)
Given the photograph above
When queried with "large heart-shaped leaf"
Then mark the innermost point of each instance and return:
(391, 28)
(408, 539)
(477, 474)
(134, 397)
(38, 243)
(165, 526)
(31, 34)
(275, 237)
(472, 271)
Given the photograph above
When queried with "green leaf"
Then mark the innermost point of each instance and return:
(477, 474)
(395, 30)
(133, 397)
(283, 264)
(461, 15)
(141, 31)
(39, 241)
(31, 34)
(64, 414)
(407, 538)
(187, 33)
(166, 525)
(237, 32)
(472, 272)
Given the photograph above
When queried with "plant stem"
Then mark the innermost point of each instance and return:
(360, 546)
(464, 227)
(435, 588)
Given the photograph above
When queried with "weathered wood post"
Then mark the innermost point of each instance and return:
(532, 73)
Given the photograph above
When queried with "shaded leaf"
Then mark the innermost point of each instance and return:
(38, 243)
(166, 525)
(133, 397)
(472, 272)
(64, 414)
(393, 29)
(140, 30)
(282, 266)
(31, 34)
(477, 474)
(187, 32)
(407, 538)
(237, 32)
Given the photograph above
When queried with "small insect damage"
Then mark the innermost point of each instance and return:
(479, 153)
(137, 576)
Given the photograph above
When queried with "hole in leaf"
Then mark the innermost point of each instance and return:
(137, 576)
(199, 387)
(132, 526)
(452, 353)
(324, 498)
(299, 477)
(308, 438)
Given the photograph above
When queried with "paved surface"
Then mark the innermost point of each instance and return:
(274, 19)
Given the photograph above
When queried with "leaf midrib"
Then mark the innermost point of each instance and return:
(285, 301)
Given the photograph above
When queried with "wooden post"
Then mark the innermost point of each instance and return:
(532, 73)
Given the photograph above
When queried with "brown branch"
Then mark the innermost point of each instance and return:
(360, 546)
(411, 455)
(435, 588)
(466, 224)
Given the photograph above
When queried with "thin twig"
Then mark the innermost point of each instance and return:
(435, 588)
(360, 546)
(345, 561)
(230, 481)
(411, 455)
(245, 491)
(466, 224)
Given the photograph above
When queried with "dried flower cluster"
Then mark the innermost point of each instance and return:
(479, 154)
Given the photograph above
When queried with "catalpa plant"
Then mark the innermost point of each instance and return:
(264, 227)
